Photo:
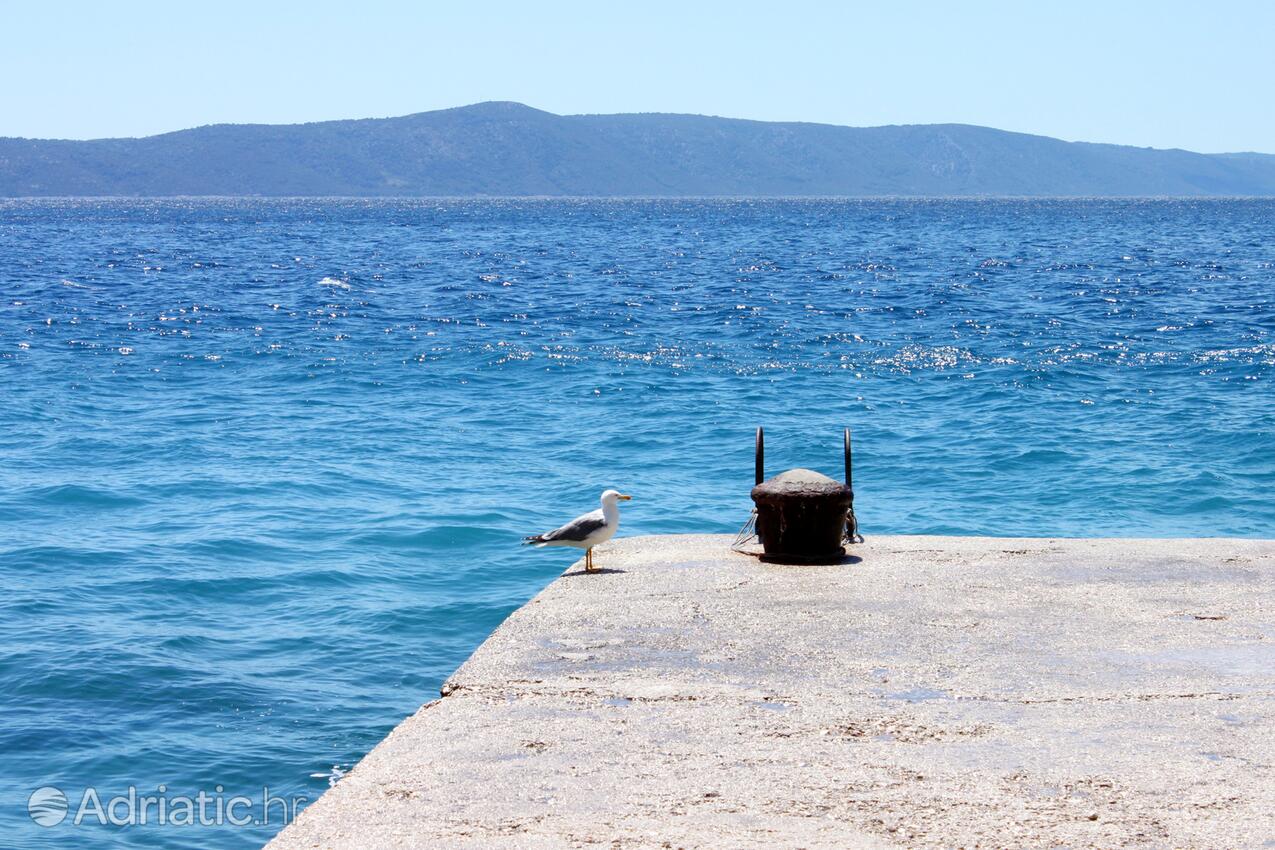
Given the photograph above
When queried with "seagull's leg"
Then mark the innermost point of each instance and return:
(588, 560)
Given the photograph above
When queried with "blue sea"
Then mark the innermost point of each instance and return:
(264, 465)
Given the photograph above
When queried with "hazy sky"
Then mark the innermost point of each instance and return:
(1163, 74)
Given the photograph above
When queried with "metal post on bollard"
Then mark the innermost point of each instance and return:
(759, 458)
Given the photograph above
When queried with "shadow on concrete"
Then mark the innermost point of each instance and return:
(845, 560)
(599, 571)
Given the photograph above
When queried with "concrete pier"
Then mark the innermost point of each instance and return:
(936, 692)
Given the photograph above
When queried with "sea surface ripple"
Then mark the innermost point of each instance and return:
(264, 465)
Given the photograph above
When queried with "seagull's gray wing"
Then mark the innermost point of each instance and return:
(577, 530)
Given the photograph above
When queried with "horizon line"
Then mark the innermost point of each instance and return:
(751, 198)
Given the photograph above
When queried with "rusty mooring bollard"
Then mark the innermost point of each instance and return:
(803, 515)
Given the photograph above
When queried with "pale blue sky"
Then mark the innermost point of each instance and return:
(1163, 74)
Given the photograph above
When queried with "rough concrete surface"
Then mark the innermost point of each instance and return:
(935, 692)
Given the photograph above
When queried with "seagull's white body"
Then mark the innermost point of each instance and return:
(587, 530)
(604, 523)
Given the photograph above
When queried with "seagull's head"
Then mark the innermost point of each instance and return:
(610, 497)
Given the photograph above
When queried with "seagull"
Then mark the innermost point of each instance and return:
(587, 530)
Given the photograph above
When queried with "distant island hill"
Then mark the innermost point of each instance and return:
(508, 149)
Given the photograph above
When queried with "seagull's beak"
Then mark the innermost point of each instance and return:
(624, 498)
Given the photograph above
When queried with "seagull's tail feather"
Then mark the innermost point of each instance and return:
(534, 540)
